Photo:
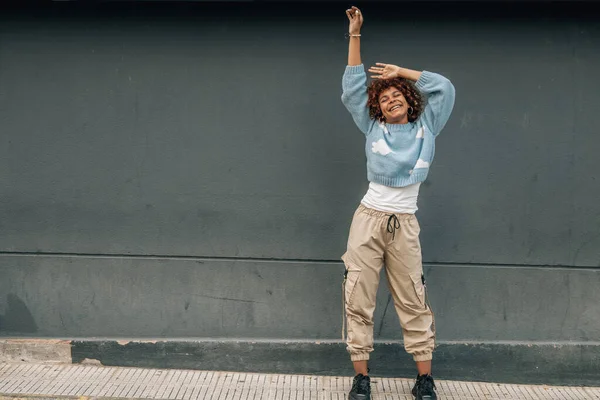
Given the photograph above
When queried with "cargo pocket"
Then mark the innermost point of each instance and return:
(351, 276)
(350, 279)
(418, 281)
(428, 305)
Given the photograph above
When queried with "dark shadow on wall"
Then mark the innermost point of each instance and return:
(18, 318)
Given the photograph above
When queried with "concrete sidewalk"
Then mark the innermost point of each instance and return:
(28, 380)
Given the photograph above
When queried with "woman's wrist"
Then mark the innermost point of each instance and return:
(409, 74)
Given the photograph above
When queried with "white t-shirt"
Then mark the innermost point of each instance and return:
(399, 200)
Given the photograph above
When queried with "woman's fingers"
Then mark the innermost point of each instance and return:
(381, 64)
(358, 14)
(354, 14)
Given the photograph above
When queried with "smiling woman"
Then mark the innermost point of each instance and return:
(400, 128)
(396, 101)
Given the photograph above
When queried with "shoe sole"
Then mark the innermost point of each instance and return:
(353, 396)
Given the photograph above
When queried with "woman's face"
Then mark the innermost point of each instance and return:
(393, 106)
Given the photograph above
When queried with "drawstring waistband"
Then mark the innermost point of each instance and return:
(393, 224)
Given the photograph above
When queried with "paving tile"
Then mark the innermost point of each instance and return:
(20, 380)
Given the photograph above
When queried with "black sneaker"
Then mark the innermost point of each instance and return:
(423, 389)
(361, 388)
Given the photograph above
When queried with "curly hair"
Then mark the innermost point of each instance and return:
(409, 90)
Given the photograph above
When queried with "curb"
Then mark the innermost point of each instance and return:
(563, 364)
(45, 351)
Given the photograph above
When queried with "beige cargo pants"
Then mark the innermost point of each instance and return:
(377, 239)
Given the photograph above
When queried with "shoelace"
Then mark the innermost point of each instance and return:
(427, 384)
(393, 224)
(361, 385)
(365, 386)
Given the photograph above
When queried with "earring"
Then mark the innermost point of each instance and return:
(410, 110)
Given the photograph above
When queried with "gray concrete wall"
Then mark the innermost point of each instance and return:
(188, 171)
(51, 296)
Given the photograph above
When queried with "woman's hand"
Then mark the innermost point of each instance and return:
(385, 71)
(356, 20)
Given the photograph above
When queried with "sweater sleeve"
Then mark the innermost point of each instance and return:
(440, 95)
(354, 96)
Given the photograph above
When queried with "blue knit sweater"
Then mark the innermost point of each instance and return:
(399, 155)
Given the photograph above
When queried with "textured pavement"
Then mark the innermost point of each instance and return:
(43, 381)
